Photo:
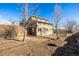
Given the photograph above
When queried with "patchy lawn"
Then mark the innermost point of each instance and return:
(32, 46)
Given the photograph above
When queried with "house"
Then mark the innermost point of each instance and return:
(36, 27)
(39, 27)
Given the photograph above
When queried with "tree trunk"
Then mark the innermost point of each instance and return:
(24, 35)
(57, 37)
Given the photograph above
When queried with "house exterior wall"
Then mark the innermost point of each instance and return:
(44, 29)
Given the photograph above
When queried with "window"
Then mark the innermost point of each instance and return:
(39, 29)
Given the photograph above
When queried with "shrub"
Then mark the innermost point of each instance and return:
(10, 32)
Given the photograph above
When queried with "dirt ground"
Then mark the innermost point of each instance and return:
(32, 46)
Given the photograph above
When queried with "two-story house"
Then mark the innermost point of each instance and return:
(39, 27)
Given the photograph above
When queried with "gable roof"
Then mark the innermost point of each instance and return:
(39, 21)
(38, 18)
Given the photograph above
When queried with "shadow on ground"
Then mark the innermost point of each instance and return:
(71, 48)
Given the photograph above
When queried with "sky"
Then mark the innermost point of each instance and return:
(13, 11)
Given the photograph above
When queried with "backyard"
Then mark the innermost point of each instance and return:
(32, 46)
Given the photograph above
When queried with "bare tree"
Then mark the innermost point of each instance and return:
(24, 23)
(34, 9)
(76, 27)
(26, 15)
(70, 25)
(57, 18)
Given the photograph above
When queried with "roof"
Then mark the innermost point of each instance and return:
(40, 21)
(43, 22)
(38, 18)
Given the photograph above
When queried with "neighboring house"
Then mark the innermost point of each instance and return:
(39, 27)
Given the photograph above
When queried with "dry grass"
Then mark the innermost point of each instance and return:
(32, 46)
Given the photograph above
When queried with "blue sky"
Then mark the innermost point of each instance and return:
(12, 11)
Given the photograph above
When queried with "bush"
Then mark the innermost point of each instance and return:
(10, 32)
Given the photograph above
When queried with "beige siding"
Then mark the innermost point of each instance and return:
(44, 25)
(49, 30)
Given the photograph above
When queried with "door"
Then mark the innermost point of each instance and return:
(34, 31)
